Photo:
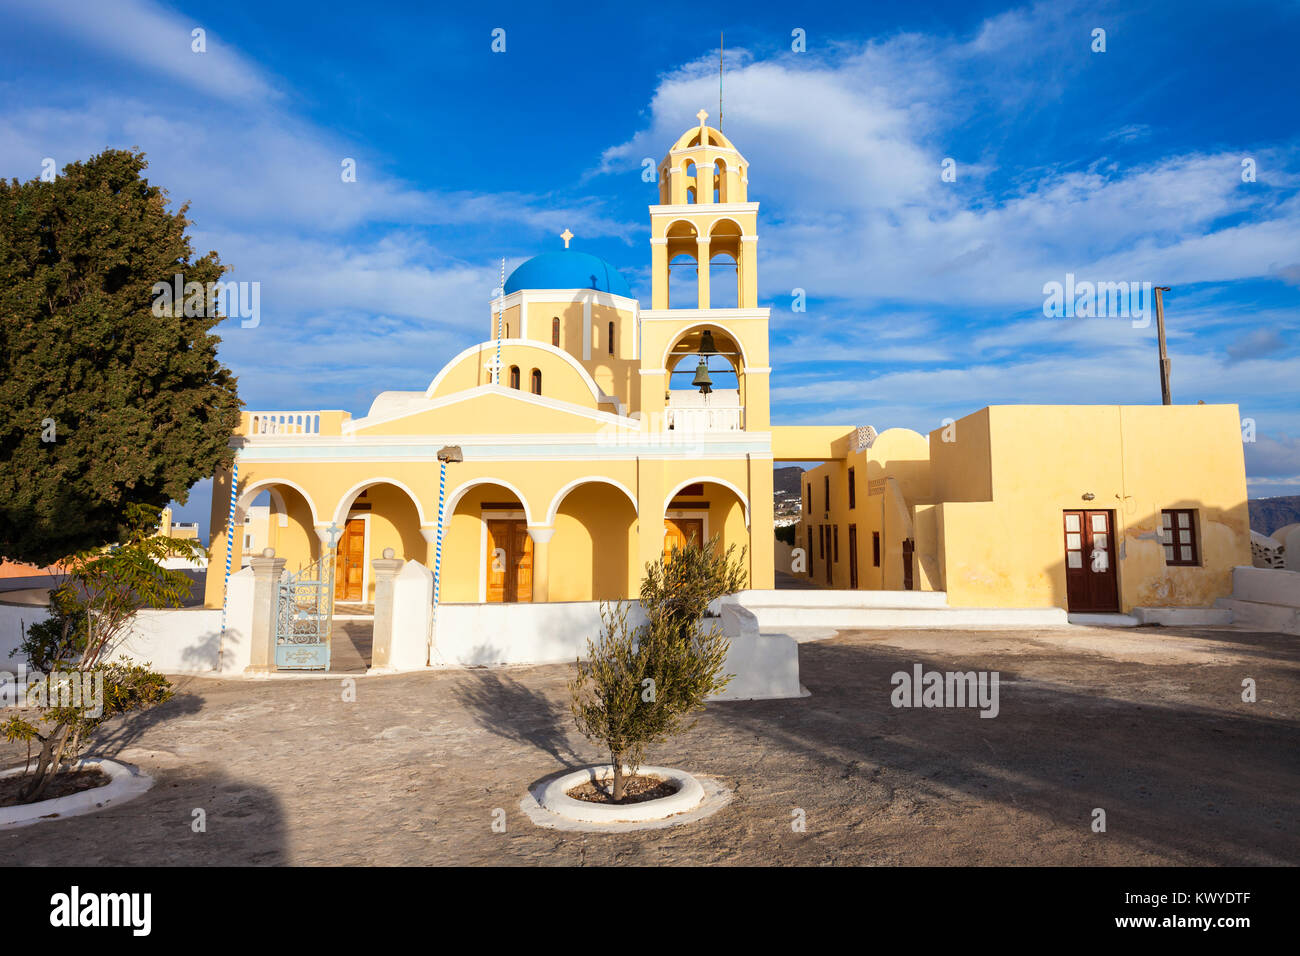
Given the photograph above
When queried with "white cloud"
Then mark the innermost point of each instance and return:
(157, 40)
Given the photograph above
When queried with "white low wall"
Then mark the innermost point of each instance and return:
(763, 666)
(780, 611)
(1267, 599)
(1266, 586)
(467, 635)
(14, 620)
(169, 640)
(472, 635)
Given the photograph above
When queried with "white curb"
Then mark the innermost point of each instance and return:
(556, 799)
(125, 783)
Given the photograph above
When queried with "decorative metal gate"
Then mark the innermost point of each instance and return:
(304, 616)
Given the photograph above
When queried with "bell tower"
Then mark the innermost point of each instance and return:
(704, 212)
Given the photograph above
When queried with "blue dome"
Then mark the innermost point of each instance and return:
(568, 269)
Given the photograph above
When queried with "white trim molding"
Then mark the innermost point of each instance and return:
(691, 209)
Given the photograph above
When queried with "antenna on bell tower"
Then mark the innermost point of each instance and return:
(720, 39)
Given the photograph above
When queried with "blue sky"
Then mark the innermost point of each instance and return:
(924, 298)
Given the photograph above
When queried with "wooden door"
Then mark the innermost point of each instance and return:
(509, 560)
(1091, 583)
(853, 556)
(521, 563)
(830, 558)
(350, 561)
(909, 548)
(678, 532)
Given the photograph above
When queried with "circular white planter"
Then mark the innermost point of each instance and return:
(124, 783)
(556, 799)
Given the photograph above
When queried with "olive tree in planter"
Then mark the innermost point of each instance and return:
(639, 685)
(89, 614)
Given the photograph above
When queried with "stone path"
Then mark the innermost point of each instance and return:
(350, 644)
(1146, 723)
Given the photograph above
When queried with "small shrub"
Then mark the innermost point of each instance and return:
(640, 685)
(89, 614)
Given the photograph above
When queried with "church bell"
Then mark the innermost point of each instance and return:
(702, 380)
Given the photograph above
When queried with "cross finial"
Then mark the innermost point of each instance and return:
(702, 115)
(566, 236)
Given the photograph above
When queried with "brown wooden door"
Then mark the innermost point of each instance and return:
(509, 562)
(830, 558)
(1091, 583)
(853, 556)
(350, 561)
(909, 548)
(678, 532)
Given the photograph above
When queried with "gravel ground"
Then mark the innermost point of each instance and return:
(1147, 724)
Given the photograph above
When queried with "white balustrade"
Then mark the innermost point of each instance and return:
(285, 423)
(708, 418)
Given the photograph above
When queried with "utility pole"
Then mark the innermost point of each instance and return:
(1165, 397)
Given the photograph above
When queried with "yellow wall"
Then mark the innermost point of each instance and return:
(983, 502)
(593, 553)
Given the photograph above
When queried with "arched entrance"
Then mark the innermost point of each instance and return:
(487, 550)
(703, 509)
(593, 554)
(372, 516)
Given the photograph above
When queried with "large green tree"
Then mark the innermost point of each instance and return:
(103, 404)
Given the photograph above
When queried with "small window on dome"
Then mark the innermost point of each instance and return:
(611, 338)
(514, 376)
(537, 381)
(555, 331)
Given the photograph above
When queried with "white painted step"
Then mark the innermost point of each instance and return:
(1184, 616)
(1104, 620)
(1262, 616)
(796, 620)
(842, 598)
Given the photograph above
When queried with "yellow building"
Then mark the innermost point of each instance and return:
(591, 434)
(1092, 508)
(587, 441)
(169, 528)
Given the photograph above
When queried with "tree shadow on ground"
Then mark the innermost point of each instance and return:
(1211, 779)
(185, 819)
(507, 708)
(123, 732)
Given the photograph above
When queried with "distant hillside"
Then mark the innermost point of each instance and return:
(786, 481)
(1269, 514)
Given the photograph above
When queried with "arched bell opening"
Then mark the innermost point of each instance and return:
(683, 268)
(705, 381)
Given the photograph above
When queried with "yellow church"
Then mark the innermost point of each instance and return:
(585, 435)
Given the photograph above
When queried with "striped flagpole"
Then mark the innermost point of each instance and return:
(437, 553)
(501, 301)
(230, 547)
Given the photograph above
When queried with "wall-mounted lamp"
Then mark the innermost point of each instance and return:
(1088, 496)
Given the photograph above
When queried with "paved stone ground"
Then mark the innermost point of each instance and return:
(1146, 723)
